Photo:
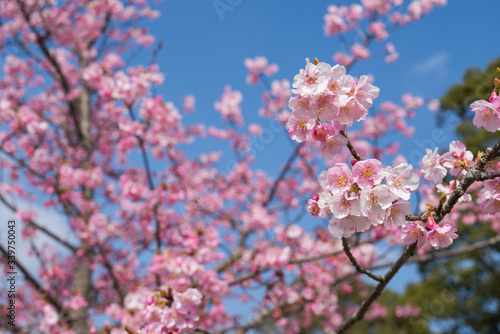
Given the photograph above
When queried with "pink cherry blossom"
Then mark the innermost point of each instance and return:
(345, 204)
(375, 202)
(448, 190)
(412, 232)
(457, 157)
(300, 125)
(490, 196)
(311, 80)
(397, 212)
(350, 112)
(442, 236)
(377, 28)
(412, 102)
(258, 66)
(322, 131)
(337, 179)
(332, 145)
(326, 106)
(360, 52)
(401, 181)
(229, 105)
(434, 105)
(487, 115)
(166, 233)
(407, 310)
(365, 92)
(432, 168)
(188, 103)
(50, 314)
(347, 226)
(342, 58)
(334, 21)
(367, 173)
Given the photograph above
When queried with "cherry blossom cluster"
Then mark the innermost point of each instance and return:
(257, 67)
(171, 311)
(435, 167)
(327, 94)
(275, 101)
(229, 105)
(358, 198)
(381, 17)
(438, 236)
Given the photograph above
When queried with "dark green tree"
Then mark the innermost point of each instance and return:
(476, 85)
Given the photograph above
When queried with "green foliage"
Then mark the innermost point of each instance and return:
(476, 85)
(475, 139)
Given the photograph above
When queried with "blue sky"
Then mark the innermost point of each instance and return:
(204, 50)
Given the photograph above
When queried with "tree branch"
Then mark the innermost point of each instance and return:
(39, 227)
(360, 313)
(357, 265)
(35, 284)
(351, 148)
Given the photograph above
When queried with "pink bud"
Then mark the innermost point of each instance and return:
(320, 132)
(353, 161)
(431, 223)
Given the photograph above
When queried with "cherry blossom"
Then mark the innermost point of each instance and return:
(401, 181)
(457, 158)
(487, 114)
(413, 232)
(442, 236)
(367, 173)
(432, 169)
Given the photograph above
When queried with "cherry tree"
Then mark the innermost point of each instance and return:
(161, 241)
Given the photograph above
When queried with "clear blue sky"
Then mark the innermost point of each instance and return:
(203, 51)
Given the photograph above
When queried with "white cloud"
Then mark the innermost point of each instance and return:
(437, 63)
(430, 74)
(432, 63)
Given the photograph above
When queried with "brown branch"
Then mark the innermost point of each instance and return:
(280, 178)
(351, 148)
(454, 252)
(109, 267)
(40, 40)
(360, 313)
(356, 265)
(149, 176)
